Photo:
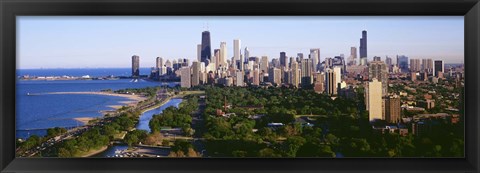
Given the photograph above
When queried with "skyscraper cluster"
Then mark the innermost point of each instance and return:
(333, 76)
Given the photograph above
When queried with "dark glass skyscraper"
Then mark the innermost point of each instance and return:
(363, 44)
(402, 62)
(206, 48)
(283, 59)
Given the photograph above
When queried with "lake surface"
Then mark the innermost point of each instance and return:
(147, 116)
(34, 114)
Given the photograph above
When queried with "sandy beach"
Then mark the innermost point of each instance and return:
(136, 98)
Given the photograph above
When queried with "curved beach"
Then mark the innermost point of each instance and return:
(134, 100)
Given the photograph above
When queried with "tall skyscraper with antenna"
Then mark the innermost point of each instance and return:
(363, 45)
(206, 53)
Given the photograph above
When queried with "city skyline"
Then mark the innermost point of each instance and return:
(32, 54)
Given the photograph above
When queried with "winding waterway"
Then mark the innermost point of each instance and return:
(142, 125)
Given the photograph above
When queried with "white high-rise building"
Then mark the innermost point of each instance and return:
(374, 100)
(223, 54)
(202, 67)
(162, 70)
(159, 62)
(236, 51)
(315, 59)
(199, 52)
(317, 50)
(338, 75)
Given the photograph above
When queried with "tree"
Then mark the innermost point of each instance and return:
(268, 152)
(292, 145)
(134, 137)
(154, 138)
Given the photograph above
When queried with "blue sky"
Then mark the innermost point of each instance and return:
(108, 41)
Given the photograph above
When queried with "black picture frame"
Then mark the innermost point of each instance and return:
(9, 9)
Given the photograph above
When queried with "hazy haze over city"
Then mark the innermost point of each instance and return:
(95, 42)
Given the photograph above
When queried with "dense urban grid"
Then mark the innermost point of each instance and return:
(411, 98)
(290, 106)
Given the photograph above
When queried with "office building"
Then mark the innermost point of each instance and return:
(216, 58)
(330, 82)
(223, 54)
(236, 52)
(402, 62)
(353, 56)
(239, 78)
(299, 55)
(427, 65)
(392, 109)
(315, 59)
(256, 77)
(315, 51)
(388, 61)
(374, 100)
(378, 70)
(274, 76)
(185, 77)
(206, 53)
(283, 59)
(246, 55)
(135, 66)
(295, 74)
(199, 52)
(415, 65)
(264, 64)
(363, 45)
(306, 72)
(168, 64)
(338, 74)
(195, 73)
(159, 62)
(439, 66)
(319, 84)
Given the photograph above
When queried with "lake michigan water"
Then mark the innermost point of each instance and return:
(34, 114)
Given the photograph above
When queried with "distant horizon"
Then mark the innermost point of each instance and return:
(90, 42)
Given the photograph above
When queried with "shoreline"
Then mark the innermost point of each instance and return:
(84, 120)
(135, 98)
(94, 152)
(156, 106)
